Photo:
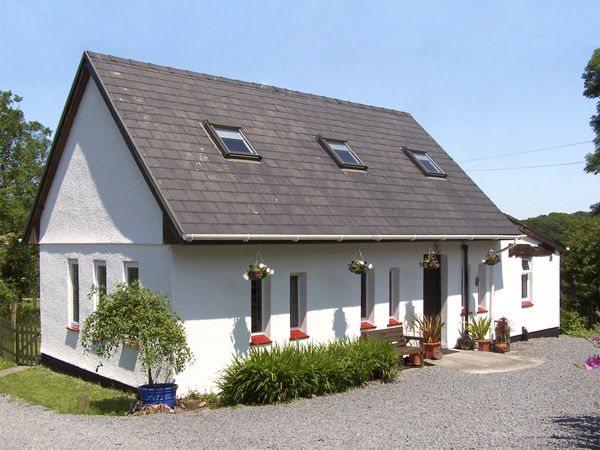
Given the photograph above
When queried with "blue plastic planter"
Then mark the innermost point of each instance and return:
(159, 393)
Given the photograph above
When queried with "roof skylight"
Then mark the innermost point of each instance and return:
(342, 154)
(424, 162)
(231, 142)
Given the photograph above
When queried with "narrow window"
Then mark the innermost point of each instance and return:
(366, 299)
(132, 272)
(298, 306)
(256, 307)
(74, 288)
(526, 282)
(363, 296)
(424, 162)
(482, 287)
(341, 153)
(231, 142)
(394, 296)
(100, 280)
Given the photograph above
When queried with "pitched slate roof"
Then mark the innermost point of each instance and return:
(297, 188)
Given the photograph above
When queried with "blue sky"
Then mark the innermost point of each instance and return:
(483, 78)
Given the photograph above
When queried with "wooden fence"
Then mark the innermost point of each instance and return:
(21, 344)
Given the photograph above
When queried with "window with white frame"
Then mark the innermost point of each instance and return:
(298, 305)
(74, 293)
(99, 281)
(132, 272)
(366, 297)
(260, 307)
(482, 287)
(526, 281)
(394, 294)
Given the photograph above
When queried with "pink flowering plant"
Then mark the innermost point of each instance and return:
(430, 262)
(596, 341)
(359, 266)
(491, 259)
(593, 362)
(258, 272)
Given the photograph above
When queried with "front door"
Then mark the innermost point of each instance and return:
(432, 291)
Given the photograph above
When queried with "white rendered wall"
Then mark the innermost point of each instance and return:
(59, 342)
(98, 193)
(214, 299)
(545, 292)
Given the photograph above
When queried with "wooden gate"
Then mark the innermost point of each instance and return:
(20, 344)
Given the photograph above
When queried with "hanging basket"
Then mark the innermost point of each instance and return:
(430, 261)
(358, 265)
(258, 270)
(491, 259)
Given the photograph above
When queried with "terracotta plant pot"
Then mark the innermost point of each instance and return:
(431, 347)
(414, 360)
(484, 345)
(500, 347)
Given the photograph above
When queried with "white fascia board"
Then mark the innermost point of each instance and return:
(352, 237)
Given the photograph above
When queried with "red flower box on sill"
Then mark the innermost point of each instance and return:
(259, 339)
(297, 334)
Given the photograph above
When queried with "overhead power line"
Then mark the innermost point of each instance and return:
(526, 167)
(528, 151)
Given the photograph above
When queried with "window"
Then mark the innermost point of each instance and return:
(341, 153)
(231, 142)
(526, 282)
(74, 293)
(366, 299)
(132, 272)
(100, 280)
(298, 306)
(260, 310)
(394, 296)
(482, 288)
(425, 163)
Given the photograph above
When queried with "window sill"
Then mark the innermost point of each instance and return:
(366, 326)
(462, 312)
(76, 329)
(526, 304)
(481, 310)
(259, 339)
(298, 334)
(393, 322)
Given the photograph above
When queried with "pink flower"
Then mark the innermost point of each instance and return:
(592, 362)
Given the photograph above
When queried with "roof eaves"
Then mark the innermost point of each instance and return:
(558, 246)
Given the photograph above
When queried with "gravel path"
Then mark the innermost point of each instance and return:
(548, 406)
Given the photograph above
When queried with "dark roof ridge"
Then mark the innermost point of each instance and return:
(245, 84)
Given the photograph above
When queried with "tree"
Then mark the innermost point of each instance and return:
(141, 317)
(23, 150)
(581, 271)
(591, 77)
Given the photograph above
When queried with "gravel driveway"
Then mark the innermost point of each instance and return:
(549, 406)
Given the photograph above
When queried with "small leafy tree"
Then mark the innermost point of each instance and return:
(143, 318)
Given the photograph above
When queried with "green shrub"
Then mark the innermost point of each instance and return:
(571, 322)
(284, 373)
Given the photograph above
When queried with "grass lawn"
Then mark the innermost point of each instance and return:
(59, 392)
(5, 364)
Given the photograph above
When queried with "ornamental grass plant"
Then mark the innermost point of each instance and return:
(285, 373)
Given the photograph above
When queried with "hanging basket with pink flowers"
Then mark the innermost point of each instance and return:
(258, 270)
(491, 259)
(430, 261)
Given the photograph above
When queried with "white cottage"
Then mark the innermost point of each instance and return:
(181, 179)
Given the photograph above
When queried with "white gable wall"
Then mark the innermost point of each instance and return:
(98, 194)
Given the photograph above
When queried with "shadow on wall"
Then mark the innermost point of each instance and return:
(240, 335)
(340, 324)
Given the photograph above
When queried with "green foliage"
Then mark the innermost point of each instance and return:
(591, 77)
(571, 322)
(429, 327)
(23, 151)
(58, 392)
(5, 363)
(479, 328)
(285, 373)
(143, 318)
(580, 273)
(557, 225)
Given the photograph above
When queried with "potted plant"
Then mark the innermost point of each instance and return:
(358, 266)
(430, 327)
(464, 341)
(258, 271)
(491, 259)
(430, 261)
(143, 318)
(503, 327)
(479, 329)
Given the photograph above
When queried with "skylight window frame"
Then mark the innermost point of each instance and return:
(211, 129)
(412, 155)
(359, 165)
